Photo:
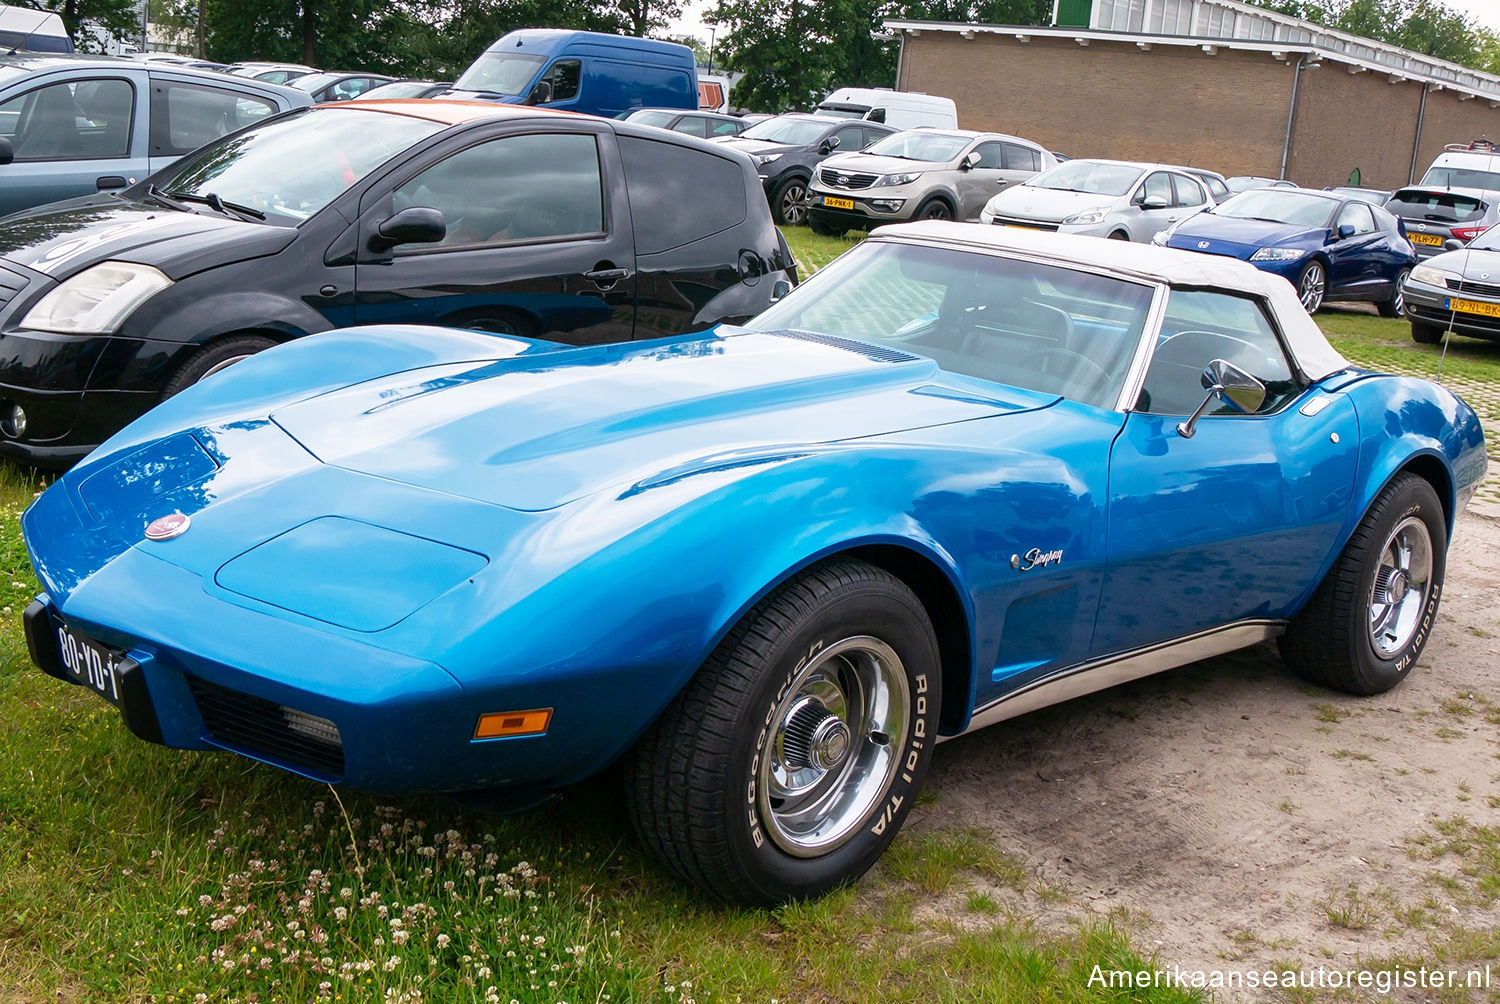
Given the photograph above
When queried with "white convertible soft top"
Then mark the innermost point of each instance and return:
(1314, 355)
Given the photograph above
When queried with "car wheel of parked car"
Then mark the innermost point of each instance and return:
(1364, 628)
(934, 209)
(1426, 334)
(823, 229)
(789, 204)
(1396, 305)
(1119, 235)
(788, 763)
(1310, 286)
(214, 357)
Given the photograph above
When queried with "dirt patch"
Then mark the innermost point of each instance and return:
(1240, 815)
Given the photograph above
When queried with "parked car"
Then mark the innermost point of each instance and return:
(983, 471)
(1117, 199)
(271, 73)
(481, 216)
(1465, 165)
(787, 149)
(1245, 182)
(709, 125)
(24, 29)
(76, 125)
(1329, 247)
(900, 109)
(404, 89)
(1374, 196)
(919, 174)
(582, 71)
(1457, 291)
(333, 86)
(1217, 185)
(1435, 216)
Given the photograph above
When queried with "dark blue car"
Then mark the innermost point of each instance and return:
(1329, 245)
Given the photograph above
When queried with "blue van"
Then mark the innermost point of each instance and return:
(582, 71)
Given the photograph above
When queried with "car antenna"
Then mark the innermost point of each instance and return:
(1453, 313)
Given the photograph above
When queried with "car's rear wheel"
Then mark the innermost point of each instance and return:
(214, 357)
(1426, 334)
(1364, 628)
(934, 209)
(822, 228)
(1396, 305)
(788, 763)
(1311, 286)
(789, 203)
(1119, 235)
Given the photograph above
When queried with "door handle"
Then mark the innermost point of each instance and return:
(606, 277)
(108, 182)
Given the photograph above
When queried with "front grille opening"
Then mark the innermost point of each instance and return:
(268, 729)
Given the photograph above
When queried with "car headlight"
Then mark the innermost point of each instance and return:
(1430, 275)
(762, 159)
(97, 300)
(1084, 219)
(898, 179)
(1278, 254)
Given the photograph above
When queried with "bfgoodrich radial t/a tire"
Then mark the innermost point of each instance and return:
(786, 766)
(1366, 625)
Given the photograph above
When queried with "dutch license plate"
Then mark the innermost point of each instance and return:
(1472, 307)
(1432, 239)
(89, 663)
(833, 202)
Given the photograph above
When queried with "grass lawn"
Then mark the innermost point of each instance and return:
(129, 872)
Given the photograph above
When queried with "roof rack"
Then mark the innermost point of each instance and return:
(1484, 145)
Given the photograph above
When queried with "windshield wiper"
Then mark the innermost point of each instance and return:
(166, 200)
(219, 205)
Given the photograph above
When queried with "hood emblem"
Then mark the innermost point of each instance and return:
(1202, 244)
(1484, 275)
(168, 526)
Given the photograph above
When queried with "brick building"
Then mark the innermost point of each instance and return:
(1212, 83)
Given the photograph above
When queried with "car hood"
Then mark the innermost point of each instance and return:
(66, 237)
(1471, 263)
(756, 146)
(1050, 204)
(1229, 235)
(534, 433)
(868, 163)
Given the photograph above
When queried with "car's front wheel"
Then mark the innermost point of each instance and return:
(1364, 628)
(1396, 305)
(214, 357)
(823, 228)
(789, 203)
(934, 209)
(1311, 286)
(1426, 334)
(788, 763)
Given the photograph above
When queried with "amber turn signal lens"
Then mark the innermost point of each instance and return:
(504, 724)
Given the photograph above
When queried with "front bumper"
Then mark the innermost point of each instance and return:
(1431, 305)
(864, 213)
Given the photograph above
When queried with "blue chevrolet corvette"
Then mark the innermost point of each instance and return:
(961, 473)
(1331, 246)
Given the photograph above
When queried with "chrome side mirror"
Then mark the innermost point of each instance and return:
(1230, 384)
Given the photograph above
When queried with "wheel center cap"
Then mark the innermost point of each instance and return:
(830, 743)
(1395, 587)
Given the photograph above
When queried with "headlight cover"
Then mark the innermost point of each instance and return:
(898, 179)
(97, 300)
(1430, 275)
(1084, 219)
(1278, 254)
(762, 159)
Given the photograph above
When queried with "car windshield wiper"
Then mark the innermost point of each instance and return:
(219, 205)
(166, 200)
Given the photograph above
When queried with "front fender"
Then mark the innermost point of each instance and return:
(191, 319)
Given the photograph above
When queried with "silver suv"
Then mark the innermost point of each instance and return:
(919, 174)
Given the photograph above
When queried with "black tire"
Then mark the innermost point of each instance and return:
(934, 209)
(1312, 285)
(701, 784)
(1341, 639)
(817, 225)
(1396, 305)
(1119, 235)
(214, 357)
(1426, 334)
(788, 202)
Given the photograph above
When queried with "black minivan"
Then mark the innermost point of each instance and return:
(508, 219)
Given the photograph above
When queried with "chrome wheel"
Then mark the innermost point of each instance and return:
(1399, 590)
(1311, 287)
(834, 746)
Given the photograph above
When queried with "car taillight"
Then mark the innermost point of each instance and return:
(1466, 234)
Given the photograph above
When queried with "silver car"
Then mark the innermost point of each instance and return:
(1457, 291)
(1118, 199)
(919, 174)
(1433, 216)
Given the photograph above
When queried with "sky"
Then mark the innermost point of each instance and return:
(1485, 13)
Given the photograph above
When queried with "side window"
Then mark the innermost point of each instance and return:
(564, 76)
(725, 128)
(186, 116)
(1157, 186)
(1218, 189)
(1357, 214)
(989, 155)
(876, 115)
(1021, 158)
(348, 90)
(850, 138)
(1189, 192)
(663, 177)
(1200, 327)
(76, 120)
(518, 188)
(691, 124)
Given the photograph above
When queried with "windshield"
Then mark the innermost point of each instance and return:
(792, 132)
(1301, 209)
(931, 147)
(398, 89)
(293, 167)
(500, 73)
(1487, 241)
(1439, 206)
(1462, 177)
(312, 82)
(1091, 176)
(653, 118)
(998, 319)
